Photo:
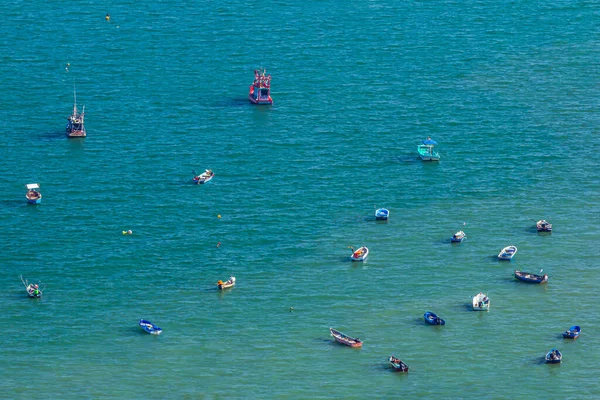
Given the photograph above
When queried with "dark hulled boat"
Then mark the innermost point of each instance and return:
(531, 278)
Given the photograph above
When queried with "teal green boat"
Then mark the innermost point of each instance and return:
(426, 151)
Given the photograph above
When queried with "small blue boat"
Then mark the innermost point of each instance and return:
(433, 319)
(572, 333)
(382, 214)
(150, 327)
(554, 356)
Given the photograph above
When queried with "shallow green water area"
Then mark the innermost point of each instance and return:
(508, 90)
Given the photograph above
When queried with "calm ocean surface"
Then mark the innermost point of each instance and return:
(509, 90)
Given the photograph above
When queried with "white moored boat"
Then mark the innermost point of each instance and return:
(507, 253)
(481, 302)
(204, 177)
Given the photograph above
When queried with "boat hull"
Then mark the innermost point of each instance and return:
(202, 181)
(427, 154)
(458, 237)
(543, 226)
(225, 286)
(34, 201)
(265, 102)
(76, 134)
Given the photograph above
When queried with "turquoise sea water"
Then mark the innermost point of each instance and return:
(509, 91)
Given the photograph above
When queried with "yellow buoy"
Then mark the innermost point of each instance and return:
(219, 216)
(107, 17)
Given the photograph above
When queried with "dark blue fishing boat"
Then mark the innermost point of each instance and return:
(150, 327)
(531, 278)
(554, 356)
(433, 319)
(572, 333)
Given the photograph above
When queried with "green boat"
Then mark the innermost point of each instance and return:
(426, 151)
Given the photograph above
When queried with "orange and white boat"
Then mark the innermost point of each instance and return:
(360, 254)
(227, 284)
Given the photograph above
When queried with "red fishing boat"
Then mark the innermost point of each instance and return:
(260, 90)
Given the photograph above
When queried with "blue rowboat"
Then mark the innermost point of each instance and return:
(572, 333)
(553, 356)
(382, 214)
(433, 319)
(150, 327)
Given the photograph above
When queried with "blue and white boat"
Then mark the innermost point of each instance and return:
(458, 237)
(33, 195)
(572, 333)
(382, 214)
(554, 356)
(426, 151)
(507, 253)
(433, 319)
(150, 327)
